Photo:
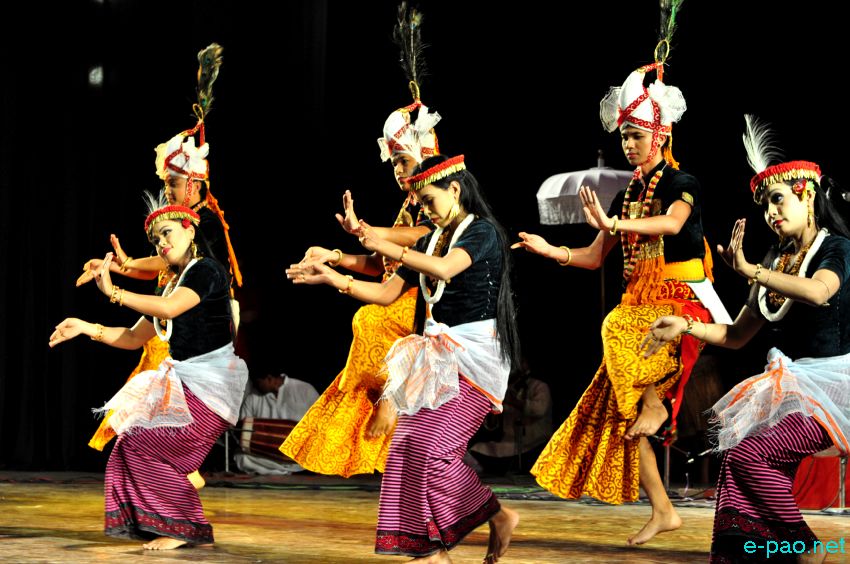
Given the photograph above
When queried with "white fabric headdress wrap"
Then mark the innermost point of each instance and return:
(179, 157)
(416, 139)
(652, 109)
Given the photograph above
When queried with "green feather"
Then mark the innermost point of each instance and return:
(209, 60)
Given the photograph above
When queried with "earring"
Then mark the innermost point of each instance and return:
(194, 249)
(811, 217)
(454, 212)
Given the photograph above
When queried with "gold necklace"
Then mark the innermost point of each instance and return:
(777, 299)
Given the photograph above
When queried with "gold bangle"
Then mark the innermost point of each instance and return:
(125, 264)
(99, 335)
(338, 260)
(347, 289)
(403, 252)
(614, 227)
(114, 296)
(569, 256)
(755, 278)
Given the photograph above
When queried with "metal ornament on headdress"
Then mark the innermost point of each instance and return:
(400, 133)
(761, 153)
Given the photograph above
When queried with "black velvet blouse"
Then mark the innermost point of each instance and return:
(809, 331)
(207, 326)
(673, 185)
(473, 294)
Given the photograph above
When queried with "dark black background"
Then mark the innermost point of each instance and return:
(302, 96)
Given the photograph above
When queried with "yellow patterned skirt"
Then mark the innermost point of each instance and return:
(588, 455)
(153, 353)
(330, 438)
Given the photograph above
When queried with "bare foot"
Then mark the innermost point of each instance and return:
(163, 543)
(660, 522)
(502, 527)
(649, 420)
(197, 480)
(814, 558)
(383, 420)
(441, 557)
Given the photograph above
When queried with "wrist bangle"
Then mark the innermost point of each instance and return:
(99, 335)
(126, 264)
(569, 256)
(755, 278)
(347, 289)
(338, 260)
(114, 296)
(689, 330)
(403, 252)
(614, 227)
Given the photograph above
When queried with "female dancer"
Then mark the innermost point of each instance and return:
(601, 450)
(444, 382)
(801, 404)
(347, 431)
(168, 419)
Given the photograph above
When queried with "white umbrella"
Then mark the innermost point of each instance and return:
(557, 199)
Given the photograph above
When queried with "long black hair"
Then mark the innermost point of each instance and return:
(831, 206)
(472, 200)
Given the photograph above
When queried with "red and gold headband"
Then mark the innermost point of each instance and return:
(435, 173)
(782, 172)
(182, 213)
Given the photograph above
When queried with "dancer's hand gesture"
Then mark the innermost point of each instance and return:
(662, 331)
(311, 273)
(349, 221)
(102, 277)
(319, 255)
(733, 254)
(534, 244)
(593, 211)
(66, 331)
(370, 239)
(120, 256)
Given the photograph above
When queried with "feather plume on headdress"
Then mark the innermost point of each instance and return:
(669, 11)
(758, 141)
(153, 203)
(407, 35)
(209, 61)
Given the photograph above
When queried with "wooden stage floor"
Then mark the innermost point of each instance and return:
(58, 518)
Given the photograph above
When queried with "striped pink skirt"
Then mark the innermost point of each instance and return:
(146, 491)
(430, 499)
(754, 500)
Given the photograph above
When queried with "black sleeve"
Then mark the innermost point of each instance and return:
(479, 240)
(205, 278)
(684, 187)
(834, 255)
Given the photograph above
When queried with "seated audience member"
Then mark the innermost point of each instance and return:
(271, 395)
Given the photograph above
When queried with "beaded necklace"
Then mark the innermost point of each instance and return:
(631, 242)
(800, 271)
(432, 245)
(777, 299)
(168, 323)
